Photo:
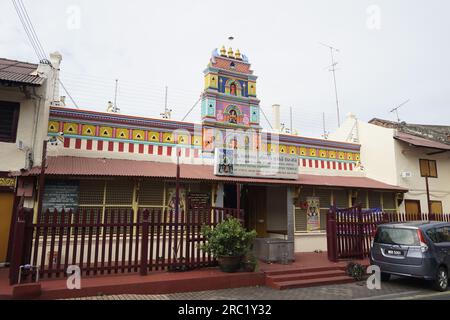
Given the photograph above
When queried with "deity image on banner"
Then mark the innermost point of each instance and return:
(313, 214)
(226, 162)
(171, 200)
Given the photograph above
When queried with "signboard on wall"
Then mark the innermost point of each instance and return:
(313, 214)
(61, 195)
(242, 163)
(199, 200)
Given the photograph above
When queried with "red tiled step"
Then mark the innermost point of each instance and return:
(311, 282)
(305, 276)
(303, 270)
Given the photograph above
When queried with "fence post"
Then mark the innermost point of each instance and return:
(17, 251)
(331, 235)
(144, 244)
(359, 221)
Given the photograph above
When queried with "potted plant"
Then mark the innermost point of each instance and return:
(355, 270)
(228, 241)
(249, 262)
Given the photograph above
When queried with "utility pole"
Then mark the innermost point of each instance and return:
(333, 70)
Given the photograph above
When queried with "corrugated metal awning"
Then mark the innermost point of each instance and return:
(77, 166)
(19, 72)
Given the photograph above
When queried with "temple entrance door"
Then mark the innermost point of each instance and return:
(6, 210)
(254, 203)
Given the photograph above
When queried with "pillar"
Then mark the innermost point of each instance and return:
(290, 221)
(219, 195)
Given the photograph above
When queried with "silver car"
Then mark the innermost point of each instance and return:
(413, 249)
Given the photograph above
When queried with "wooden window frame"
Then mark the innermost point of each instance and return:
(437, 201)
(15, 121)
(422, 174)
(415, 201)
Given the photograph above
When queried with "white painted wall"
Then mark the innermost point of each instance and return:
(384, 158)
(408, 160)
(33, 120)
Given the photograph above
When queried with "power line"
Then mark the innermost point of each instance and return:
(33, 31)
(34, 39)
(27, 31)
(190, 110)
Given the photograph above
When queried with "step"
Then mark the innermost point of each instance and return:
(305, 275)
(311, 282)
(303, 270)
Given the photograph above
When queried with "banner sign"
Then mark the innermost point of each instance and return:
(313, 214)
(241, 163)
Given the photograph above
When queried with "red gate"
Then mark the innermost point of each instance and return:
(350, 231)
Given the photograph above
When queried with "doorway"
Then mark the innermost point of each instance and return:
(254, 203)
(230, 196)
(6, 211)
(412, 207)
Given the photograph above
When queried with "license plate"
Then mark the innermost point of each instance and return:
(394, 252)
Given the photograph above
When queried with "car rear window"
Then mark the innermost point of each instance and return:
(405, 237)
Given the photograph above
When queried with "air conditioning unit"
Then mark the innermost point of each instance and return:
(406, 174)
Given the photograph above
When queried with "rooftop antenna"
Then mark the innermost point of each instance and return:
(115, 109)
(333, 69)
(398, 107)
(167, 112)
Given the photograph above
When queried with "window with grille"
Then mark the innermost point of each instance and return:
(340, 198)
(374, 199)
(9, 119)
(389, 202)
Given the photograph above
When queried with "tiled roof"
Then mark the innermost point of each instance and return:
(19, 72)
(421, 142)
(78, 166)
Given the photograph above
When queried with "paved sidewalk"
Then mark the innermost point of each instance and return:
(394, 289)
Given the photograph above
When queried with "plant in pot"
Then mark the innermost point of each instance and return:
(249, 262)
(228, 241)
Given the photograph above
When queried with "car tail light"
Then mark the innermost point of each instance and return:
(423, 245)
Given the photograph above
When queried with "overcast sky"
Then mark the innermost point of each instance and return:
(390, 51)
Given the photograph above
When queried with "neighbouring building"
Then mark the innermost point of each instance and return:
(286, 183)
(26, 93)
(405, 155)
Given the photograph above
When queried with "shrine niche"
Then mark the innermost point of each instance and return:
(233, 87)
(233, 115)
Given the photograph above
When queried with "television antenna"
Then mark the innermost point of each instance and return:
(333, 70)
(398, 107)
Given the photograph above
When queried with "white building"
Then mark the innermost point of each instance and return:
(27, 91)
(402, 154)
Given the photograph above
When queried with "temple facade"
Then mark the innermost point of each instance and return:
(285, 183)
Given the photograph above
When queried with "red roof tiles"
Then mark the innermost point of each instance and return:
(76, 166)
(421, 142)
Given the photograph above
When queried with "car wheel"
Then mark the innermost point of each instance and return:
(441, 282)
(385, 276)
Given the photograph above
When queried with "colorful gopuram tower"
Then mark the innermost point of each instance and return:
(230, 108)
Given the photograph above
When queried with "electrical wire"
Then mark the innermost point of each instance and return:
(36, 44)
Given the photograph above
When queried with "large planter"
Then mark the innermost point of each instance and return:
(229, 264)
